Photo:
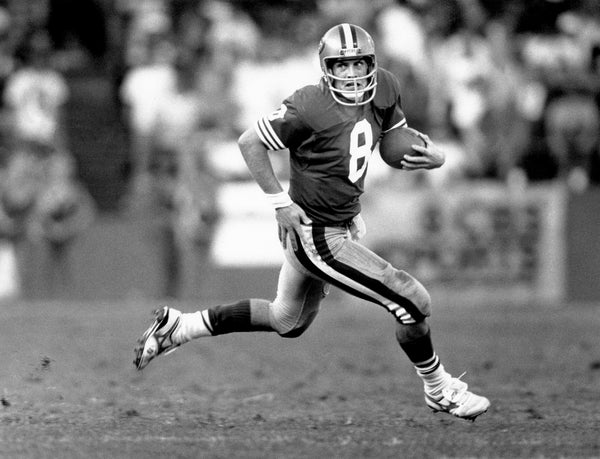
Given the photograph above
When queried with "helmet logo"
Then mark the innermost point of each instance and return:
(350, 52)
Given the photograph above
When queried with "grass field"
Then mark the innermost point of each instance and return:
(343, 390)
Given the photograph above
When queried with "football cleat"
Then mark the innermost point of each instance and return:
(157, 339)
(455, 399)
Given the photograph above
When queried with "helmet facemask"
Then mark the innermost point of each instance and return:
(361, 91)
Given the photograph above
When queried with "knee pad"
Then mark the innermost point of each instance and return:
(300, 328)
(291, 318)
(422, 300)
(414, 294)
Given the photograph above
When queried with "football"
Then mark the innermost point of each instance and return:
(397, 143)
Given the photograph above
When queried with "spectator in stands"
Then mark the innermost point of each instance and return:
(42, 203)
(514, 99)
(401, 22)
(562, 56)
(63, 210)
(179, 105)
(184, 185)
(462, 69)
(43, 206)
(35, 95)
(147, 84)
(7, 67)
(572, 126)
(7, 60)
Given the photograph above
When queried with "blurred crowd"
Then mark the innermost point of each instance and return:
(511, 89)
(42, 200)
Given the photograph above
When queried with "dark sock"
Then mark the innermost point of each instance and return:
(230, 318)
(419, 350)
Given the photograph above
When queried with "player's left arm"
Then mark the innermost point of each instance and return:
(429, 156)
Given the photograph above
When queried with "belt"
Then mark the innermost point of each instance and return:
(342, 224)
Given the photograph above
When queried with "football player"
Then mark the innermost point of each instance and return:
(330, 129)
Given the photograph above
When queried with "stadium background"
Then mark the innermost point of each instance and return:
(529, 235)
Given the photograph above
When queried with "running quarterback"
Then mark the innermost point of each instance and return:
(330, 129)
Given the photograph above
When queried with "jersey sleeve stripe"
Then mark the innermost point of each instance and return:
(399, 124)
(276, 140)
(267, 135)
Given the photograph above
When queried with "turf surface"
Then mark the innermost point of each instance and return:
(342, 390)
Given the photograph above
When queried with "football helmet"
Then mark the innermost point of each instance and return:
(348, 41)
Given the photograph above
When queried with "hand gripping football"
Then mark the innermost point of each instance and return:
(397, 143)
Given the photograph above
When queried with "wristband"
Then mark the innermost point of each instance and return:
(278, 200)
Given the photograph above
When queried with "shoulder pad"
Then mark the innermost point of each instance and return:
(314, 105)
(388, 89)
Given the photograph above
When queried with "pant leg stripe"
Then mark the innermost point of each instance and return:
(309, 264)
(353, 281)
(374, 285)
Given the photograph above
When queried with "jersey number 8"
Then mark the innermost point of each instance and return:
(361, 139)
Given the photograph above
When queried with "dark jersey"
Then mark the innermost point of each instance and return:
(330, 145)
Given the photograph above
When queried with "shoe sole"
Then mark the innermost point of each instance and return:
(472, 417)
(140, 349)
(466, 418)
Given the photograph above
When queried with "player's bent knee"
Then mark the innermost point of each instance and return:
(291, 318)
(298, 328)
(423, 301)
(295, 333)
(415, 292)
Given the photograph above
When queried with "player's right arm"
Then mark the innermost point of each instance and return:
(290, 217)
